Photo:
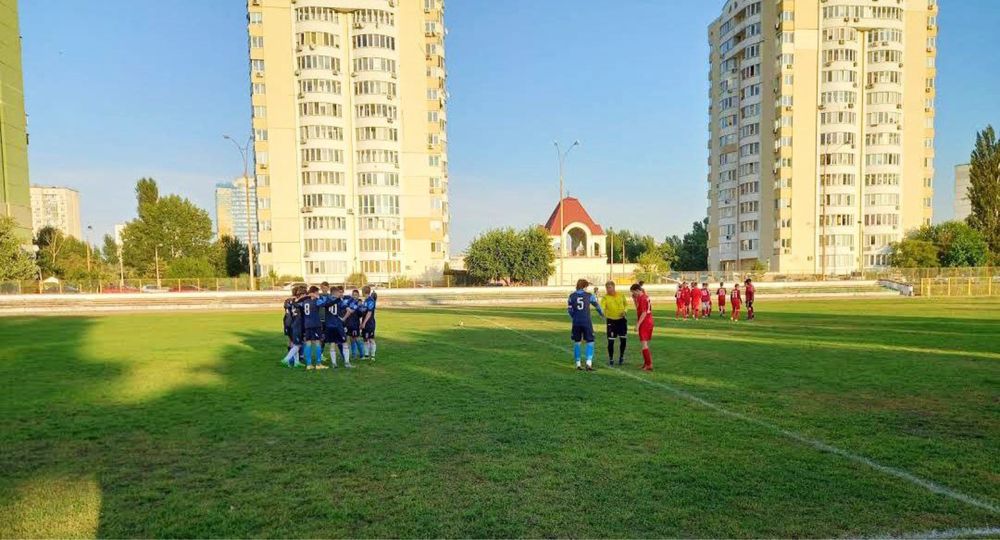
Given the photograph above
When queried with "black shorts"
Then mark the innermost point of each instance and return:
(295, 334)
(313, 334)
(617, 328)
(335, 334)
(368, 332)
(582, 333)
(354, 331)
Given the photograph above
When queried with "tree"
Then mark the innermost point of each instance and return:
(956, 243)
(536, 255)
(63, 256)
(15, 261)
(984, 187)
(109, 250)
(651, 267)
(491, 255)
(171, 227)
(147, 193)
(693, 251)
(913, 253)
(191, 267)
(231, 256)
(510, 256)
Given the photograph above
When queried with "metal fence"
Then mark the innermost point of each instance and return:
(960, 286)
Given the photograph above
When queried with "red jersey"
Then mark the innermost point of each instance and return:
(706, 296)
(734, 297)
(750, 290)
(721, 293)
(643, 305)
(685, 295)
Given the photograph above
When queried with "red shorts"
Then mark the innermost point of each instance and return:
(722, 302)
(645, 332)
(736, 307)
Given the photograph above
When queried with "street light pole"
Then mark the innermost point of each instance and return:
(89, 228)
(244, 151)
(562, 207)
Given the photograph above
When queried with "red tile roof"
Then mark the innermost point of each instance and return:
(573, 212)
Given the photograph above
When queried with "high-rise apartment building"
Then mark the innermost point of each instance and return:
(232, 202)
(962, 205)
(821, 131)
(349, 123)
(58, 207)
(15, 197)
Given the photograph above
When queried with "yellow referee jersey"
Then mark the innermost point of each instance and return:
(613, 305)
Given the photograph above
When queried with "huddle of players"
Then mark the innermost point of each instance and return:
(697, 303)
(316, 316)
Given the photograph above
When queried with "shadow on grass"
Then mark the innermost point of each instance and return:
(457, 431)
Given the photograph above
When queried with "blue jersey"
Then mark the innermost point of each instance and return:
(579, 307)
(353, 304)
(368, 308)
(311, 312)
(332, 306)
(291, 313)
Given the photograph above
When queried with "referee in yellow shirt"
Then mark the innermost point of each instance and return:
(614, 306)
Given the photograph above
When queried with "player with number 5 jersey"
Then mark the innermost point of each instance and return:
(579, 303)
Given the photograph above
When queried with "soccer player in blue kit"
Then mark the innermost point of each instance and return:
(336, 334)
(354, 324)
(579, 304)
(293, 327)
(313, 335)
(368, 320)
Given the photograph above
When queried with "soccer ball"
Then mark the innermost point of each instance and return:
(461, 323)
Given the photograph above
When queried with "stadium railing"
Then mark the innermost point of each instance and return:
(960, 286)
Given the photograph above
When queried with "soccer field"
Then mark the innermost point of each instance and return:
(820, 418)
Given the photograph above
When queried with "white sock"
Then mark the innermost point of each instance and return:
(590, 362)
(345, 349)
(333, 355)
(577, 363)
(371, 349)
(292, 353)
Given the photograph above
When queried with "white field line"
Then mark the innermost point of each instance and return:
(980, 532)
(929, 485)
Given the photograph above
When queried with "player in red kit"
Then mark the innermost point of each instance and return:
(706, 301)
(721, 295)
(692, 302)
(736, 301)
(679, 301)
(644, 325)
(750, 290)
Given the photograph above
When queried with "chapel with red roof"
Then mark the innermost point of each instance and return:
(571, 227)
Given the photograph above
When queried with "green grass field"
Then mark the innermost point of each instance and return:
(832, 418)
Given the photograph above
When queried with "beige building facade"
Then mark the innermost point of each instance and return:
(821, 131)
(349, 120)
(15, 193)
(962, 205)
(59, 207)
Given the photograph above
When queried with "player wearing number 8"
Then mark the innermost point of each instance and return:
(583, 328)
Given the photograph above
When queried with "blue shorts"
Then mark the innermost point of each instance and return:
(335, 334)
(369, 331)
(582, 333)
(314, 334)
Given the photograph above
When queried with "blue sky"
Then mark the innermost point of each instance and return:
(121, 89)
